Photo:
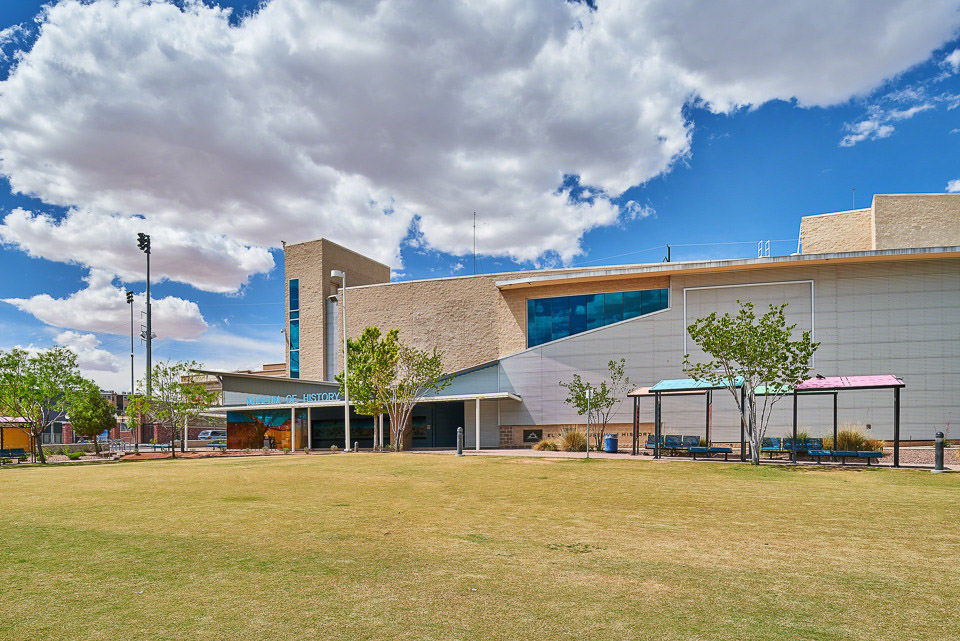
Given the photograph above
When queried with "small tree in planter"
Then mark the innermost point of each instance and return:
(760, 353)
(606, 399)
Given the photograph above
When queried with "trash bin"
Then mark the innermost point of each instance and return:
(610, 443)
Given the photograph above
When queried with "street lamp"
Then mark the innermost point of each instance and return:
(336, 273)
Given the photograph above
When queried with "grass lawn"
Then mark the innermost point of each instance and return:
(413, 546)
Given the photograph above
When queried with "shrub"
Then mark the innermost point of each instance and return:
(334, 448)
(874, 445)
(74, 456)
(573, 442)
(546, 446)
(850, 440)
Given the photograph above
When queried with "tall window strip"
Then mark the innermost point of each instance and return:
(549, 319)
(293, 334)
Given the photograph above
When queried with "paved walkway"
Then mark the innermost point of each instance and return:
(529, 453)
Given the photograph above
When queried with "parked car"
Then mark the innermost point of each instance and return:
(212, 435)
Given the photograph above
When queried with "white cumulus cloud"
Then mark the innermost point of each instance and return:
(953, 186)
(367, 121)
(102, 308)
(89, 355)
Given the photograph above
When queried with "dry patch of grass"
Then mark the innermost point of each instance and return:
(403, 546)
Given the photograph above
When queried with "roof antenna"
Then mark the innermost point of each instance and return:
(667, 258)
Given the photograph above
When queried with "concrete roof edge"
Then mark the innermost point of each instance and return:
(719, 265)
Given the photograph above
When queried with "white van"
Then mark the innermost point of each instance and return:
(212, 435)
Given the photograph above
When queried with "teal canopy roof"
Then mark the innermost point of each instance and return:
(689, 385)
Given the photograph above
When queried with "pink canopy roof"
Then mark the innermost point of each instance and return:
(850, 382)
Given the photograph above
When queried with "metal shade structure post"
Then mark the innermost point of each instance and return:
(656, 425)
(709, 408)
(793, 441)
(835, 412)
(636, 426)
(896, 427)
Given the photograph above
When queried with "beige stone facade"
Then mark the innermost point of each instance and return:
(311, 262)
(893, 221)
(468, 317)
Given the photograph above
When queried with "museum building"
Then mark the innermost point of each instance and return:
(879, 288)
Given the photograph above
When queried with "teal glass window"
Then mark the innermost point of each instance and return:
(549, 319)
(294, 334)
(294, 363)
(294, 294)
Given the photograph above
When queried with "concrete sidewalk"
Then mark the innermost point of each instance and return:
(643, 457)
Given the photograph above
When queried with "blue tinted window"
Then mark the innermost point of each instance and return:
(531, 318)
(294, 315)
(560, 317)
(294, 293)
(549, 319)
(294, 334)
(578, 314)
(594, 311)
(664, 302)
(650, 301)
(294, 364)
(612, 307)
(632, 304)
(542, 329)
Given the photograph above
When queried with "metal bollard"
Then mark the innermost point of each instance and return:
(356, 446)
(938, 455)
(459, 441)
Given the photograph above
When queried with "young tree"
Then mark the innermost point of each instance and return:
(90, 413)
(176, 398)
(607, 396)
(372, 364)
(760, 353)
(416, 374)
(37, 388)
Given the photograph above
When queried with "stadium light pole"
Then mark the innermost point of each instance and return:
(133, 388)
(336, 273)
(143, 242)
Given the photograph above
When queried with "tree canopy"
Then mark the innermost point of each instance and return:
(91, 414)
(37, 388)
(755, 353)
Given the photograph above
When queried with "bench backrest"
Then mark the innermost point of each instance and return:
(651, 440)
(814, 444)
(771, 442)
(673, 440)
(691, 441)
(787, 444)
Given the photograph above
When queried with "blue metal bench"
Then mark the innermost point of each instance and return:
(673, 442)
(652, 442)
(691, 441)
(18, 454)
(710, 450)
(771, 445)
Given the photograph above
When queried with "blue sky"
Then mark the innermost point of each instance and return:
(736, 157)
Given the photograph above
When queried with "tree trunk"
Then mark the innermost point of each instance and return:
(96, 444)
(173, 438)
(38, 443)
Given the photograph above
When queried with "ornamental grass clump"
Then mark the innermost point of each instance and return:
(546, 446)
(850, 438)
(573, 442)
